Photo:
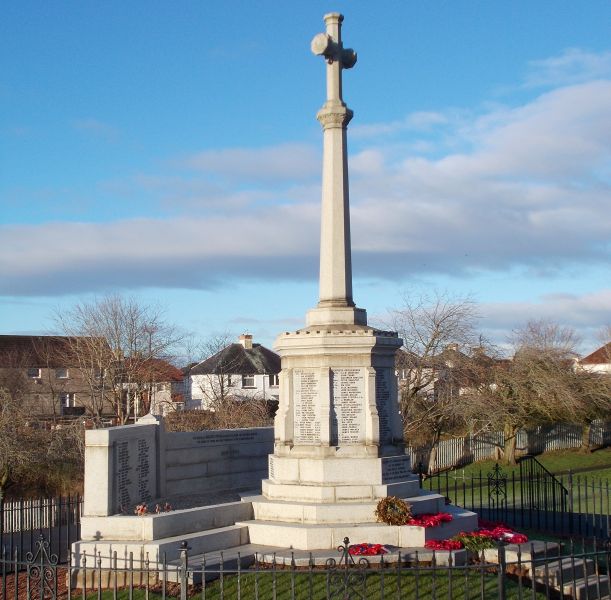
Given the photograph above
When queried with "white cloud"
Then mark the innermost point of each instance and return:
(574, 65)
(523, 186)
(586, 313)
(420, 121)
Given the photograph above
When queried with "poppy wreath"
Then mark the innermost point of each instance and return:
(364, 549)
(393, 511)
(452, 544)
(430, 520)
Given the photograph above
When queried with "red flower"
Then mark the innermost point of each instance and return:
(443, 545)
(430, 520)
(517, 538)
(365, 549)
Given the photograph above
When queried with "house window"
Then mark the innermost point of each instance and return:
(229, 383)
(274, 380)
(61, 373)
(248, 381)
(34, 373)
(67, 399)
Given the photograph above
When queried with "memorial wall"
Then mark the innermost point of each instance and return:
(132, 464)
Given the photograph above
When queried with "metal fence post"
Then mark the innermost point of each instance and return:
(1, 517)
(570, 489)
(501, 573)
(184, 564)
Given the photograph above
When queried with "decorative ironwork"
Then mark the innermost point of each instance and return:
(541, 489)
(497, 487)
(347, 579)
(41, 572)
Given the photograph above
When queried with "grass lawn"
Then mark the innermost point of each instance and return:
(411, 584)
(558, 462)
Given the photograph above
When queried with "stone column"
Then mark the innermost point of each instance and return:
(335, 303)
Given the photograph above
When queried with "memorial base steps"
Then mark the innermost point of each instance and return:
(198, 542)
(168, 524)
(266, 509)
(308, 536)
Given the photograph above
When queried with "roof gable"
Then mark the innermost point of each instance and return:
(44, 351)
(600, 356)
(235, 359)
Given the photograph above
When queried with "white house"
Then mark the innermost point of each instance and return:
(598, 361)
(239, 371)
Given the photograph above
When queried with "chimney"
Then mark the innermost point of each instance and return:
(246, 341)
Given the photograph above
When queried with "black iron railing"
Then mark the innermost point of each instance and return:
(57, 519)
(578, 569)
(566, 505)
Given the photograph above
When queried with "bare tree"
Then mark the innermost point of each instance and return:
(113, 337)
(16, 451)
(439, 333)
(539, 385)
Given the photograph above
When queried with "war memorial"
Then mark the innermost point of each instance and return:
(337, 445)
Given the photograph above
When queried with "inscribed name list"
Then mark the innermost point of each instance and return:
(348, 414)
(134, 472)
(305, 394)
(386, 404)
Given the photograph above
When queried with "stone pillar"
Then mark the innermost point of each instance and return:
(335, 303)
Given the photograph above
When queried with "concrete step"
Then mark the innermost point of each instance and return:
(339, 493)
(154, 550)
(527, 552)
(158, 526)
(307, 536)
(209, 564)
(590, 588)
(561, 570)
(319, 558)
(265, 509)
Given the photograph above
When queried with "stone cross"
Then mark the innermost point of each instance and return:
(334, 116)
(330, 46)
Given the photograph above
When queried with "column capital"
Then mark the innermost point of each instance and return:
(334, 116)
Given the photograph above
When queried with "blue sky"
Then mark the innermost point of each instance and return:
(170, 151)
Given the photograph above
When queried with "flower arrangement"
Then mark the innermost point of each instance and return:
(452, 544)
(393, 511)
(475, 541)
(365, 549)
(430, 520)
(486, 536)
(141, 509)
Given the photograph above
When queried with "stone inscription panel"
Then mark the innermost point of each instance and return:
(383, 404)
(123, 475)
(220, 438)
(134, 472)
(395, 468)
(306, 383)
(348, 402)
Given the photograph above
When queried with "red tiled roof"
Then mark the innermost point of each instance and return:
(598, 357)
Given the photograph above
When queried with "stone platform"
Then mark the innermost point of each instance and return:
(221, 527)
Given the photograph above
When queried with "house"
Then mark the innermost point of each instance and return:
(239, 371)
(448, 373)
(598, 361)
(157, 386)
(45, 372)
